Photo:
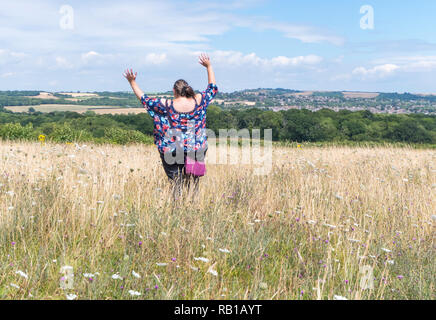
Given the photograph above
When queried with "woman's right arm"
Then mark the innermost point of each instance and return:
(155, 105)
(131, 77)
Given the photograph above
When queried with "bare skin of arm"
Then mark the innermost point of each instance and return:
(204, 60)
(131, 77)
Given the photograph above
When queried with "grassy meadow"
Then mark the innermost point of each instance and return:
(325, 223)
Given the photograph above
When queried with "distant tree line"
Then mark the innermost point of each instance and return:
(291, 125)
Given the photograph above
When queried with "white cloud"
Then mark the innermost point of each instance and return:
(7, 74)
(8, 56)
(341, 77)
(238, 58)
(413, 63)
(304, 33)
(380, 71)
(296, 61)
(156, 59)
(387, 67)
(89, 55)
(63, 63)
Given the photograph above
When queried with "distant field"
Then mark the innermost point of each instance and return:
(244, 102)
(44, 95)
(119, 110)
(60, 107)
(80, 94)
(304, 94)
(365, 95)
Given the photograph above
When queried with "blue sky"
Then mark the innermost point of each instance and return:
(305, 45)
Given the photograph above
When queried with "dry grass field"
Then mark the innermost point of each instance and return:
(325, 223)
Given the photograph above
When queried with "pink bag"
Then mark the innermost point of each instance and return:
(195, 168)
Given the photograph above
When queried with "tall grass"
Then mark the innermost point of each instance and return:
(311, 229)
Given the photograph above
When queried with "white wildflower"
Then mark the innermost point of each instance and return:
(13, 285)
(135, 274)
(71, 296)
(212, 271)
(336, 297)
(330, 226)
(116, 277)
(161, 264)
(201, 259)
(224, 250)
(21, 273)
(386, 250)
(263, 285)
(353, 240)
(128, 225)
(134, 293)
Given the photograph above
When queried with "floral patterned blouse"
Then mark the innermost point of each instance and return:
(174, 129)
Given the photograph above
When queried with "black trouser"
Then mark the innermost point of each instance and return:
(174, 167)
